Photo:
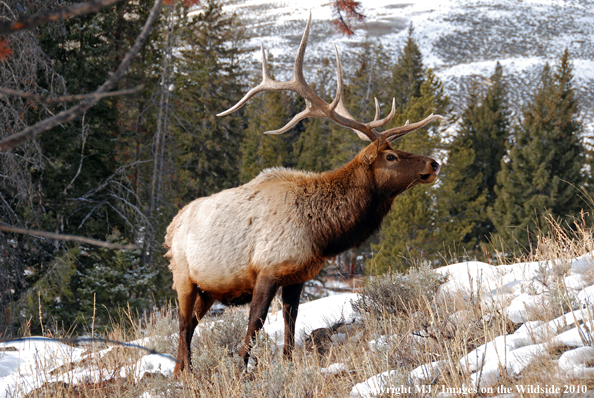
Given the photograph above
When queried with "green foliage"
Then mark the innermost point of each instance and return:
(313, 146)
(259, 151)
(116, 280)
(461, 204)
(409, 231)
(408, 74)
(474, 159)
(207, 77)
(43, 301)
(545, 163)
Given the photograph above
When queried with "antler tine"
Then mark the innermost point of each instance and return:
(266, 84)
(339, 98)
(397, 132)
(377, 110)
(296, 119)
(379, 123)
(298, 70)
(343, 116)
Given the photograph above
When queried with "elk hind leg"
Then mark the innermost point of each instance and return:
(264, 292)
(193, 305)
(290, 295)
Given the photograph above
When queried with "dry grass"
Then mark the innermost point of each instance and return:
(404, 315)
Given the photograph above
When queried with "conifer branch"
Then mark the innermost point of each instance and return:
(44, 17)
(72, 113)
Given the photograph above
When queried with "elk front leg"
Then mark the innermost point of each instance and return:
(264, 292)
(291, 295)
(193, 305)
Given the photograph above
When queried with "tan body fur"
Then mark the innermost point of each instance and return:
(277, 230)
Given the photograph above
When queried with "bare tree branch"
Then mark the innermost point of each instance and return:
(108, 179)
(68, 238)
(72, 113)
(41, 18)
(67, 98)
(347, 13)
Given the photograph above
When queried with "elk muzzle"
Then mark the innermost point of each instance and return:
(431, 172)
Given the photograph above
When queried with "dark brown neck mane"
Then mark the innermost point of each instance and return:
(343, 207)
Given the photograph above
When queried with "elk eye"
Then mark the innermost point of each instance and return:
(391, 158)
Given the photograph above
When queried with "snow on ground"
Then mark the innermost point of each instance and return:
(28, 364)
(516, 289)
(313, 315)
(25, 364)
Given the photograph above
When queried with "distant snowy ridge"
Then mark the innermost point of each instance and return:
(460, 40)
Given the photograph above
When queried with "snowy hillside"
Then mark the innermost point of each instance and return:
(460, 40)
(520, 292)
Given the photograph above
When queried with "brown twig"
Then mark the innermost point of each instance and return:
(72, 113)
(67, 98)
(344, 22)
(44, 17)
(67, 238)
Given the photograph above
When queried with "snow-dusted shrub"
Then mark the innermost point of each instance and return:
(283, 380)
(395, 293)
(226, 331)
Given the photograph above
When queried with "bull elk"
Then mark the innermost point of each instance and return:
(276, 231)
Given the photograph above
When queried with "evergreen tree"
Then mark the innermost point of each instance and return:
(474, 159)
(461, 203)
(206, 83)
(409, 232)
(546, 157)
(266, 112)
(408, 74)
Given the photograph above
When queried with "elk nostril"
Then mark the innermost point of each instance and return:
(435, 166)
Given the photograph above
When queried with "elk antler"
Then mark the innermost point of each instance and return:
(317, 107)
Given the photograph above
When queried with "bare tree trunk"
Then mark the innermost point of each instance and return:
(159, 142)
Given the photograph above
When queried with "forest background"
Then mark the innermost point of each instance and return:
(122, 170)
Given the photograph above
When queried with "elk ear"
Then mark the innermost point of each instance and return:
(369, 154)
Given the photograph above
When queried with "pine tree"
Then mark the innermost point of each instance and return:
(409, 232)
(409, 73)
(266, 112)
(474, 159)
(461, 203)
(545, 162)
(206, 83)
